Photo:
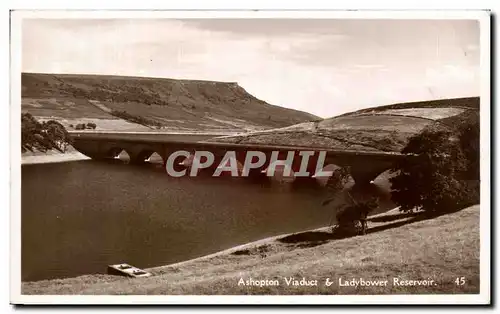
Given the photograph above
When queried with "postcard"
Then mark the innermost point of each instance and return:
(250, 157)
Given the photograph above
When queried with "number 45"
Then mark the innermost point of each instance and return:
(460, 281)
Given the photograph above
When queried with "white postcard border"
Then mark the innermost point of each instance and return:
(15, 161)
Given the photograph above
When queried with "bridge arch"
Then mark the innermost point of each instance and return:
(141, 156)
(123, 155)
(156, 158)
(113, 152)
(363, 176)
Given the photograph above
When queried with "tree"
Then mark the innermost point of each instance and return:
(80, 126)
(431, 178)
(42, 136)
(469, 142)
(29, 127)
(91, 125)
(336, 183)
(57, 135)
(351, 218)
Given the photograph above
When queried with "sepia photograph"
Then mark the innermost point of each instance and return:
(271, 157)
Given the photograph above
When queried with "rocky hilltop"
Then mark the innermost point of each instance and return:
(142, 104)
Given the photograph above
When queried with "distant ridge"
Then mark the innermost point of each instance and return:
(160, 103)
(466, 102)
(383, 129)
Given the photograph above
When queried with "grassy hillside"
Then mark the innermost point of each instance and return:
(404, 246)
(385, 128)
(151, 103)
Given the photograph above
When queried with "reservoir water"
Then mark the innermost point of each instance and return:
(78, 217)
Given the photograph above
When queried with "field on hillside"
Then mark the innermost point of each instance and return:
(63, 107)
(385, 128)
(397, 246)
(466, 103)
(161, 103)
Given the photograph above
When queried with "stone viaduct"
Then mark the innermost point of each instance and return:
(364, 166)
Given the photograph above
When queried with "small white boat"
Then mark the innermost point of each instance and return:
(127, 270)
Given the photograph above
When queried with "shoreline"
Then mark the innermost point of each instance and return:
(260, 242)
(315, 255)
(33, 160)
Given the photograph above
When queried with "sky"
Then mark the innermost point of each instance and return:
(325, 67)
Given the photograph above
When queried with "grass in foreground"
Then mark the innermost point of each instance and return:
(397, 246)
